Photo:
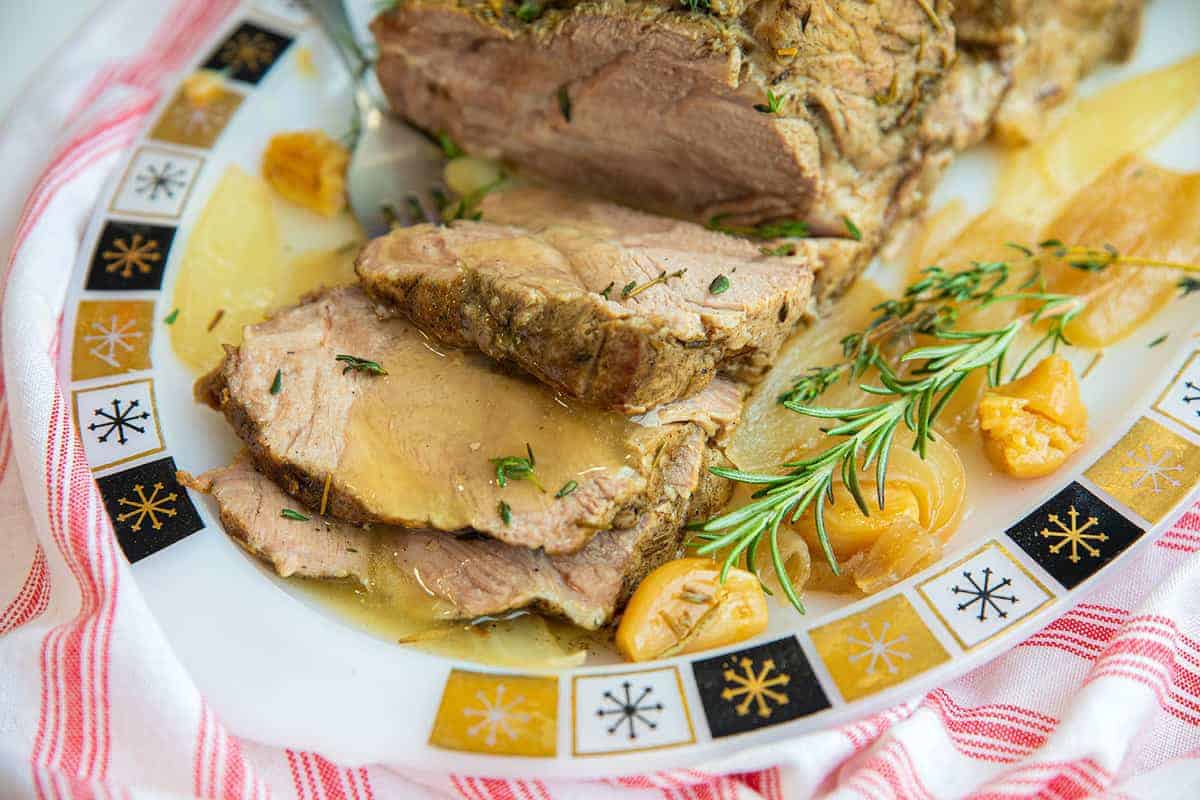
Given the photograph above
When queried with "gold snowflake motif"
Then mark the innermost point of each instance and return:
(1152, 470)
(138, 253)
(755, 687)
(144, 507)
(114, 340)
(497, 716)
(249, 51)
(1074, 534)
(200, 121)
(879, 649)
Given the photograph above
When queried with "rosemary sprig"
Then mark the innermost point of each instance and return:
(774, 101)
(505, 512)
(852, 229)
(277, 383)
(567, 488)
(467, 207)
(450, 148)
(869, 433)
(288, 513)
(934, 373)
(781, 251)
(517, 468)
(360, 365)
(765, 231)
(632, 289)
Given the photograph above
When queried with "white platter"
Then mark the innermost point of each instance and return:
(276, 666)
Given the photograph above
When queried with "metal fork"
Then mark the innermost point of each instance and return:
(395, 172)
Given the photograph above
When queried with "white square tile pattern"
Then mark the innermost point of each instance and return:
(157, 183)
(118, 422)
(291, 11)
(629, 711)
(983, 594)
(1181, 399)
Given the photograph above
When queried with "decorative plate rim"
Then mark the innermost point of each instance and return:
(733, 700)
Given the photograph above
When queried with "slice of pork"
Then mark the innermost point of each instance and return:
(1044, 47)
(414, 447)
(653, 105)
(551, 283)
(469, 576)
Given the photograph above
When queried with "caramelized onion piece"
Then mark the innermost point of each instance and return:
(923, 503)
(1144, 211)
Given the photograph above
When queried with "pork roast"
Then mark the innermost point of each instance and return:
(839, 113)
(418, 446)
(653, 105)
(1044, 47)
(564, 287)
(470, 576)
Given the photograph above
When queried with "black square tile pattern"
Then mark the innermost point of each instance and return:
(1074, 534)
(764, 685)
(149, 508)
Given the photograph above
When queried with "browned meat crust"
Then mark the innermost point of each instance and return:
(296, 437)
(470, 575)
(525, 285)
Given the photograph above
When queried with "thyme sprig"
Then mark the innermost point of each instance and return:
(932, 303)
(360, 365)
(633, 289)
(516, 468)
(932, 374)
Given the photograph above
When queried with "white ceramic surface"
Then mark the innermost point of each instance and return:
(276, 666)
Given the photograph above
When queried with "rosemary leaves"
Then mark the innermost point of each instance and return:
(765, 231)
(360, 365)
(719, 285)
(863, 437)
(516, 468)
(773, 104)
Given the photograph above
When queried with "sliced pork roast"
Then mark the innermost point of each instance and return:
(807, 110)
(615, 307)
(1044, 47)
(817, 110)
(470, 576)
(416, 447)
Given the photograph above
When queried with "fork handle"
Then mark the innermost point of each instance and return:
(335, 22)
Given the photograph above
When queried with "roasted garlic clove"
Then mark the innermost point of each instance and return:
(682, 607)
(309, 169)
(1032, 425)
